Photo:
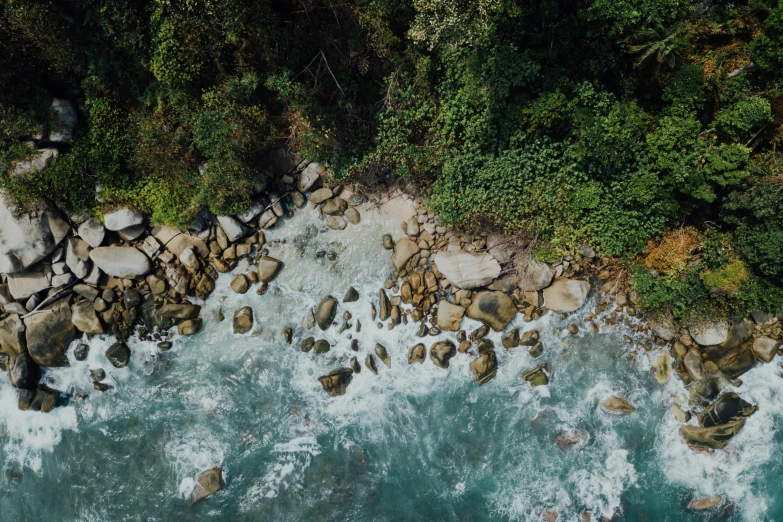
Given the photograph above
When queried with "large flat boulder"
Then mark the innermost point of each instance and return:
(122, 218)
(177, 241)
(21, 286)
(449, 316)
(466, 270)
(566, 295)
(535, 276)
(93, 232)
(710, 333)
(495, 309)
(233, 228)
(26, 238)
(85, 319)
(125, 262)
(50, 333)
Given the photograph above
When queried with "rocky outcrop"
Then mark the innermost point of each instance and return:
(50, 333)
(26, 238)
(566, 295)
(465, 270)
(23, 372)
(207, 483)
(449, 316)
(125, 262)
(495, 309)
(336, 382)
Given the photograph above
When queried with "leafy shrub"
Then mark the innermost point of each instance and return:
(727, 279)
(741, 120)
(767, 48)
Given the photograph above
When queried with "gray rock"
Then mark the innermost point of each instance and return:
(465, 270)
(132, 233)
(232, 227)
(765, 348)
(325, 312)
(251, 213)
(535, 276)
(67, 118)
(50, 333)
(26, 238)
(23, 372)
(21, 286)
(710, 333)
(124, 262)
(122, 218)
(62, 280)
(77, 257)
(175, 241)
(84, 318)
(93, 232)
(566, 295)
(310, 177)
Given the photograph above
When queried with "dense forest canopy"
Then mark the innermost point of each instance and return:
(647, 128)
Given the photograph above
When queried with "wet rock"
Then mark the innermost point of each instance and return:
(716, 437)
(383, 354)
(495, 309)
(510, 339)
(307, 344)
(44, 399)
(568, 440)
(23, 372)
(441, 352)
(12, 336)
(321, 346)
(449, 316)
(536, 350)
(354, 364)
(484, 367)
(179, 311)
(190, 326)
(369, 362)
(336, 382)
(765, 348)
(704, 503)
(566, 295)
(240, 284)
(736, 361)
(479, 333)
(288, 335)
(465, 270)
(416, 354)
(693, 365)
(485, 346)
(207, 483)
(165, 346)
(617, 406)
(243, 320)
(81, 351)
(118, 354)
(50, 333)
(403, 251)
(84, 318)
(728, 408)
(355, 345)
(464, 346)
(384, 306)
(662, 368)
(325, 312)
(387, 242)
(537, 376)
(351, 296)
(123, 262)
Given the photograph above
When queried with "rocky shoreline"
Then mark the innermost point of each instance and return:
(67, 276)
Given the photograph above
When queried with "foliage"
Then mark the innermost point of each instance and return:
(767, 48)
(741, 120)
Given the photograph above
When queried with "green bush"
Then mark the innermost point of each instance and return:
(741, 120)
(767, 48)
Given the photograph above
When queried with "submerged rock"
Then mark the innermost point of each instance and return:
(701, 504)
(617, 406)
(441, 352)
(336, 382)
(207, 483)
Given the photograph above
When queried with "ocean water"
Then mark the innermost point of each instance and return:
(415, 442)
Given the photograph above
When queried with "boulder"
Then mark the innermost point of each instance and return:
(321, 346)
(118, 354)
(566, 295)
(189, 259)
(738, 360)
(716, 437)
(132, 233)
(484, 367)
(353, 216)
(710, 333)
(325, 312)
(537, 376)
(251, 213)
(243, 320)
(38, 161)
(383, 354)
(310, 178)
(92, 231)
(693, 365)
(232, 227)
(727, 408)
(50, 333)
(704, 503)
(124, 262)
(207, 483)
(449, 316)
(510, 339)
(662, 327)
(64, 129)
(617, 406)
(351, 296)
(268, 267)
(765, 348)
(190, 326)
(336, 382)
(334, 207)
(12, 336)
(321, 195)
(336, 223)
(240, 284)
(84, 318)
(404, 249)
(466, 270)
(268, 219)
(43, 399)
(122, 218)
(179, 311)
(441, 352)
(416, 354)
(23, 285)
(77, 257)
(495, 309)
(387, 242)
(23, 372)
(175, 242)
(369, 362)
(26, 238)
(535, 276)
(384, 305)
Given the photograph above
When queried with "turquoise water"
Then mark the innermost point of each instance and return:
(413, 443)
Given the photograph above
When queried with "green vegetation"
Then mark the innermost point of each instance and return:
(592, 121)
